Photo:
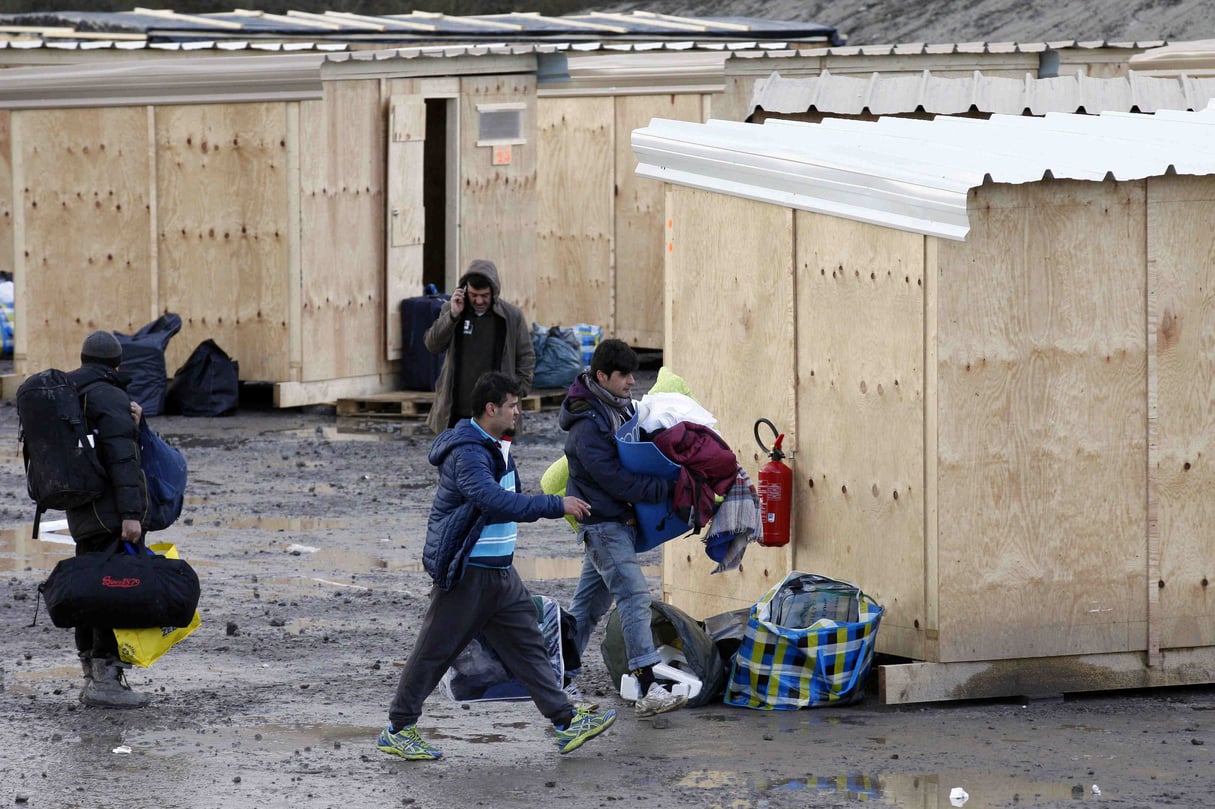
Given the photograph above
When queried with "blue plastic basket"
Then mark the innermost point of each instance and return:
(6, 329)
(656, 522)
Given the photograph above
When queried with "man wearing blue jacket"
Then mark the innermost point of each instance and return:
(597, 405)
(470, 544)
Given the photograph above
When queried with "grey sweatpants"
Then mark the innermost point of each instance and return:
(493, 602)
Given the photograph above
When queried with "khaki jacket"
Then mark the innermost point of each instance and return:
(518, 355)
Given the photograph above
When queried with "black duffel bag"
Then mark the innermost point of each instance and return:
(120, 589)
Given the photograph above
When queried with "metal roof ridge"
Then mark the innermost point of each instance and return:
(195, 18)
(634, 18)
(709, 24)
(883, 172)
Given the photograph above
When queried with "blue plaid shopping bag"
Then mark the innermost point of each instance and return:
(809, 642)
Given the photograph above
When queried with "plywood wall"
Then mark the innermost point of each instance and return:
(734, 103)
(342, 173)
(575, 200)
(859, 495)
(224, 231)
(639, 220)
(404, 105)
(730, 296)
(1181, 271)
(82, 244)
(1041, 423)
(406, 214)
(6, 192)
(498, 203)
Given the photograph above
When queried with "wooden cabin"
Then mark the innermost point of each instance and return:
(283, 204)
(988, 342)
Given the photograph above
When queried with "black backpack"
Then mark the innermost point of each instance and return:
(62, 469)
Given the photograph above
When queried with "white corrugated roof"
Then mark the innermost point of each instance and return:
(914, 48)
(296, 77)
(1191, 58)
(892, 94)
(915, 174)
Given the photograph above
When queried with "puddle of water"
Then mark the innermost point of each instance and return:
(384, 432)
(191, 441)
(809, 725)
(360, 562)
(541, 569)
(18, 550)
(529, 568)
(283, 524)
(19, 681)
(277, 738)
(921, 791)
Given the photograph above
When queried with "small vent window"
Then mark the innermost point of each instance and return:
(500, 123)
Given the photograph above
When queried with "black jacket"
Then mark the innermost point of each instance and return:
(107, 415)
(596, 473)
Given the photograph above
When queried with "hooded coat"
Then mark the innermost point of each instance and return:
(470, 497)
(518, 355)
(596, 473)
(107, 413)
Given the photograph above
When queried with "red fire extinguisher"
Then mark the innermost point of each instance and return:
(775, 490)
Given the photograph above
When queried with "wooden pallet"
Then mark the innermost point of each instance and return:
(414, 404)
(394, 404)
(543, 399)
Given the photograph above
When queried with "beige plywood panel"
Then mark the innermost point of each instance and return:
(860, 494)
(498, 202)
(342, 174)
(730, 295)
(224, 232)
(734, 103)
(1042, 411)
(6, 192)
(639, 220)
(1181, 253)
(406, 216)
(574, 178)
(407, 118)
(85, 239)
(405, 101)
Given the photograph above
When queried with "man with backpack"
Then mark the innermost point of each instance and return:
(112, 421)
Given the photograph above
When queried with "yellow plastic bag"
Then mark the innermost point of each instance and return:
(553, 482)
(670, 382)
(142, 647)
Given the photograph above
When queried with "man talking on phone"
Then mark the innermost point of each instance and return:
(477, 332)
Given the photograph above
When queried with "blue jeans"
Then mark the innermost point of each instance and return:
(610, 570)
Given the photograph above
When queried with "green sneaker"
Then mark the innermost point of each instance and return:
(583, 726)
(407, 744)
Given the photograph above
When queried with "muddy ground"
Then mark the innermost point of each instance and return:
(308, 541)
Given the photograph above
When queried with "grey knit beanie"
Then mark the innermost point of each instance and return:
(101, 347)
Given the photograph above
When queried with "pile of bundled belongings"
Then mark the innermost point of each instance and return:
(672, 436)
